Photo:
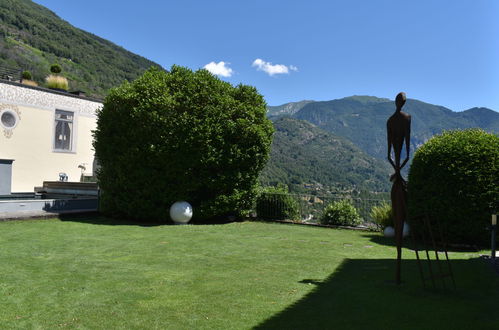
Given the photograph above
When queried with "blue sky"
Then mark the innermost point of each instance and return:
(444, 52)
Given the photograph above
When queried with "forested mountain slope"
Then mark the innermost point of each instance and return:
(33, 37)
(303, 154)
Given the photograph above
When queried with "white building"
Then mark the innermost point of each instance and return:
(43, 133)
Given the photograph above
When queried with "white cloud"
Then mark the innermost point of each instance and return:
(220, 69)
(272, 69)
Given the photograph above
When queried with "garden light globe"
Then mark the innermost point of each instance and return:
(389, 231)
(181, 212)
(405, 232)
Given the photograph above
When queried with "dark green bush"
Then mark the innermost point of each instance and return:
(454, 177)
(181, 135)
(55, 68)
(27, 75)
(382, 215)
(341, 213)
(277, 204)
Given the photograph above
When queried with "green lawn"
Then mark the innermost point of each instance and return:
(86, 273)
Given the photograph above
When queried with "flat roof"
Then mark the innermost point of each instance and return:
(48, 90)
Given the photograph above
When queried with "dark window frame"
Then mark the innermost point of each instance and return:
(64, 130)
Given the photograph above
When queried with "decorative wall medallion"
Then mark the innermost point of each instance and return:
(9, 118)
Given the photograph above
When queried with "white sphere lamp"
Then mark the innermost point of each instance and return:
(181, 212)
(389, 232)
(405, 232)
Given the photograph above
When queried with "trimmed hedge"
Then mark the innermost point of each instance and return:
(181, 135)
(454, 177)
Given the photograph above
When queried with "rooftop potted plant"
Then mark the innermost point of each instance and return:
(55, 81)
(27, 78)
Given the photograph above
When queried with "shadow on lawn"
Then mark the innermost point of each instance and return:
(382, 240)
(360, 294)
(97, 219)
(390, 241)
(408, 243)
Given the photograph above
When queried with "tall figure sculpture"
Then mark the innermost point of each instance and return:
(398, 129)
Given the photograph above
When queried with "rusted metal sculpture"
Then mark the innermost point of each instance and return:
(398, 129)
(435, 240)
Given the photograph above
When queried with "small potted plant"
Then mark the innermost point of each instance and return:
(27, 78)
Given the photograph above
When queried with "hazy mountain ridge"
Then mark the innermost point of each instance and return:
(287, 108)
(362, 120)
(482, 117)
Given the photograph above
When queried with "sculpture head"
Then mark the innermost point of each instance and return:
(400, 100)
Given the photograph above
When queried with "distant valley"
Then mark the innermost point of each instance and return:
(306, 158)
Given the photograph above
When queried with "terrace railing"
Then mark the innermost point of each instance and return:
(10, 74)
(311, 207)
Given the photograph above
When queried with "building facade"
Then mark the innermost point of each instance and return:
(45, 135)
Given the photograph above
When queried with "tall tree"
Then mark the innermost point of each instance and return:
(181, 135)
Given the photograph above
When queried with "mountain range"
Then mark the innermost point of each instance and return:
(362, 119)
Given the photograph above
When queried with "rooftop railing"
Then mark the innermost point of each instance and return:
(11, 74)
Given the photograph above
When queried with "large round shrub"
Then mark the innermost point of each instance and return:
(454, 177)
(341, 213)
(181, 135)
(277, 204)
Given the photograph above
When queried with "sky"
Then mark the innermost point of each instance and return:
(443, 52)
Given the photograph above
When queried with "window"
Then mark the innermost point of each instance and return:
(8, 119)
(63, 130)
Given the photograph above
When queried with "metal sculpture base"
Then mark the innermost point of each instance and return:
(437, 272)
(399, 209)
